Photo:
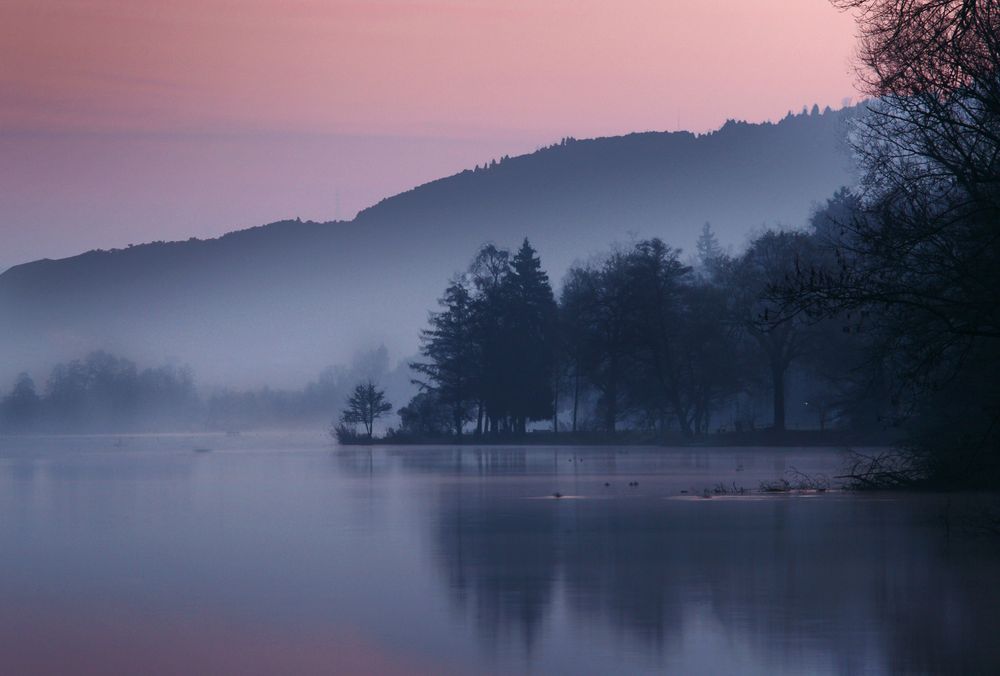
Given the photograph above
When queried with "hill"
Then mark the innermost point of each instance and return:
(274, 304)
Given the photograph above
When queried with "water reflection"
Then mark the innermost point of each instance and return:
(500, 563)
(839, 583)
(462, 558)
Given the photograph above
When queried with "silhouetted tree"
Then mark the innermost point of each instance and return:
(454, 355)
(488, 270)
(365, 405)
(654, 321)
(530, 339)
(426, 416)
(675, 354)
(595, 303)
(779, 336)
(493, 347)
(712, 361)
(918, 259)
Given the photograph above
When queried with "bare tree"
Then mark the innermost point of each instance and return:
(917, 260)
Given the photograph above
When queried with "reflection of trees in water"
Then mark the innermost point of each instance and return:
(500, 563)
(459, 460)
(361, 461)
(443, 460)
(620, 567)
(860, 584)
(942, 609)
(489, 460)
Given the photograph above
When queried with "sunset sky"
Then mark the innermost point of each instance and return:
(132, 120)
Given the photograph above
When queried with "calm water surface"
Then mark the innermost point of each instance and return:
(283, 554)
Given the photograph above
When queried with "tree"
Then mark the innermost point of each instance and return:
(707, 249)
(653, 321)
(595, 305)
(426, 416)
(23, 405)
(493, 345)
(530, 332)
(453, 353)
(923, 245)
(918, 258)
(365, 405)
(571, 365)
(488, 270)
(711, 360)
(780, 335)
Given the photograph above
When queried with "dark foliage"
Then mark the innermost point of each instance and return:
(638, 339)
(492, 348)
(916, 258)
(426, 416)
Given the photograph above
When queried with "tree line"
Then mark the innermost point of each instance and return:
(639, 340)
(102, 392)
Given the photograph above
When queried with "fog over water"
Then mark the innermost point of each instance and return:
(459, 560)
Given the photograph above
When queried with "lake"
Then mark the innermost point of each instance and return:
(285, 554)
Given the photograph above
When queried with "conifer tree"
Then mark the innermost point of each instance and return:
(531, 326)
(707, 247)
(453, 353)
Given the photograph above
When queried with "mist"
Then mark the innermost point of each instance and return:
(274, 305)
(606, 400)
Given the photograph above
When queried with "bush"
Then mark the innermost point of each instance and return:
(345, 434)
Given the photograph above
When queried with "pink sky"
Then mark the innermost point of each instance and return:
(129, 120)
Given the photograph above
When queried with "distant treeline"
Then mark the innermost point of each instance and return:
(102, 392)
(107, 393)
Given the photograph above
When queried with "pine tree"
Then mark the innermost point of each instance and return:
(453, 353)
(707, 247)
(493, 345)
(531, 329)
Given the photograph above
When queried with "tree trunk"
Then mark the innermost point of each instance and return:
(682, 414)
(685, 423)
(555, 408)
(778, 381)
(611, 414)
(576, 397)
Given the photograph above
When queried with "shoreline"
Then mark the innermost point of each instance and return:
(789, 438)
